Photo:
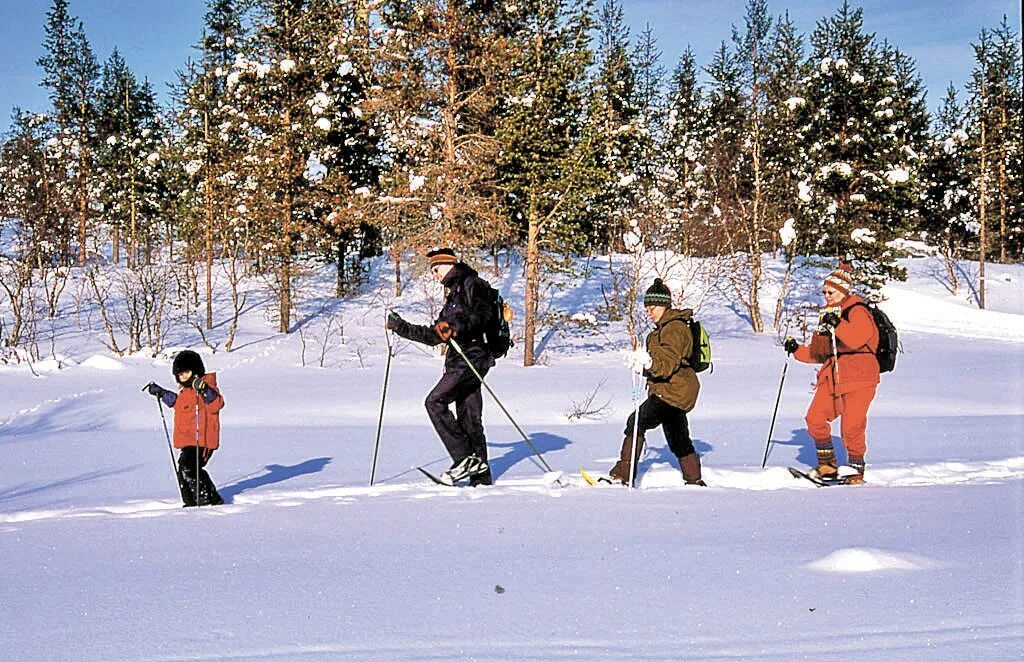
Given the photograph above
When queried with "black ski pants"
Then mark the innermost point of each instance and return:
(654, 412)
(194, 479)
(462, 433)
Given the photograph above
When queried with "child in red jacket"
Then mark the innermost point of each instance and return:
(197, 406)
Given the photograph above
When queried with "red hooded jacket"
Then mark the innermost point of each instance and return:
(856, 340)
(195, 422)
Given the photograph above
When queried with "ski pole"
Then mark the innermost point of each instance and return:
(835, 374)
(636, 427)
(771, 428)
(383, 396)
(516, 425)
(167, 436)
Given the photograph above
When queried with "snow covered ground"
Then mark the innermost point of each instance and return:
(307, 562)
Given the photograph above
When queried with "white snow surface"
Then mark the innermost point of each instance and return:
(306, 561)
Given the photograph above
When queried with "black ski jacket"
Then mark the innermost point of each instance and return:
(467, 309)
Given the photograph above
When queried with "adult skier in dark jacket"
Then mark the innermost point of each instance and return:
(464, 316)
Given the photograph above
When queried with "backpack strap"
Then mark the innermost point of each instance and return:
(846, 317)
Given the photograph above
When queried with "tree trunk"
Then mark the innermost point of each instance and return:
(982, 193)
(285, 308)
(397, 255)
(532, 293)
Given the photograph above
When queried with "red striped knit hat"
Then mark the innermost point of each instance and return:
(841, 280)
(441, 256)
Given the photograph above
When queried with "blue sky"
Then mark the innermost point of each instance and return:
(156, 36)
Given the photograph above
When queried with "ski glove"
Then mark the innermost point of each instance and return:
(790, 345)
(155, 389)
(828, 320)
(444, 330)
(638, 360)
(199, 385)
(394, 319)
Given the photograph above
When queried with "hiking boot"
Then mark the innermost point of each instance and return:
(827, 473)
(471, 465)
(481, 479)
(690, 466)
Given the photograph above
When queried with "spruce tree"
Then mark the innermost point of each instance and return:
(71, 74)
(947, 205)
(614, 133)
(130, 136)
(861, 161)
(683, 148)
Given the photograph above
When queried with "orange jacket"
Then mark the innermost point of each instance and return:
(856, 340)
(195, 422)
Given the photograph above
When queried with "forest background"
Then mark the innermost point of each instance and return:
(311, 131)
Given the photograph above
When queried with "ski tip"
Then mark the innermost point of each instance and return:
(590, 480)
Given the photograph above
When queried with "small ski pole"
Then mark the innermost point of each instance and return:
(170, 448)
(771, 428)
(383, 396)
(516, 425)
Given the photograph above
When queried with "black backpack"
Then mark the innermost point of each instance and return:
(888, 339)
(497, 335)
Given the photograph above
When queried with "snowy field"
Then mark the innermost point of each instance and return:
(307, 562)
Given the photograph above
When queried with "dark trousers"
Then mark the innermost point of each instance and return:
(654, 412)
(463, 433)
(197, 488)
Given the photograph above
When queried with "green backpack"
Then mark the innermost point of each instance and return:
(700, 355)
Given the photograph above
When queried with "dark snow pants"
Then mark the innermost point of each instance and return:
(653, 412)
(193, 484)
(463, 433)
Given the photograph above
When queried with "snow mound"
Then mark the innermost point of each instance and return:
(99, 362)
(867, 559)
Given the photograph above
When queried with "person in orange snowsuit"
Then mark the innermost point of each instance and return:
(844, 344)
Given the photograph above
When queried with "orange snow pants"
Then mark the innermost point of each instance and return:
(853, 407)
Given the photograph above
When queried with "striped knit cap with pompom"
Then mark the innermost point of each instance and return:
(840, 280)
(658, 294)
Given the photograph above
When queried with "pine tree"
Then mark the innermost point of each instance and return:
(71, 74)
(860, 169)
(542, 163)
(300, 97)
(947, 205)
(212, 141)
(682, 148)
(614, 133)
(444, 66)
(130, 136)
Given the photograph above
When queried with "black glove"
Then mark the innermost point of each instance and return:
(394, 319)
(154, 389)
(199, 385)
(790, 345)
(830, 319)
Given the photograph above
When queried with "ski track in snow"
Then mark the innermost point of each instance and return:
(898, 639)
(36, 410)
(553, 485)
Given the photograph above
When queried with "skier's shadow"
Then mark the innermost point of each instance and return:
(276, 473)
(661, 454)
(807, 455)
(518, 451)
